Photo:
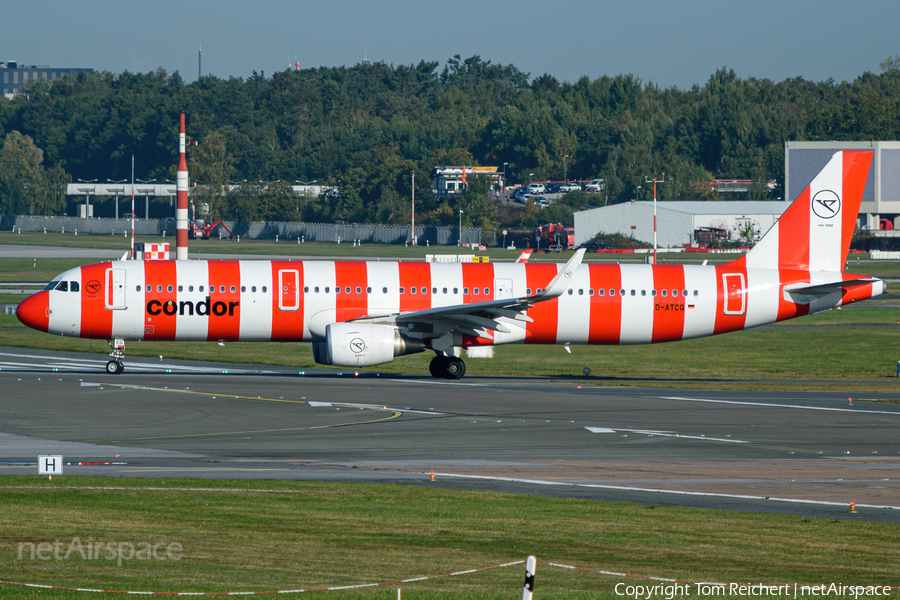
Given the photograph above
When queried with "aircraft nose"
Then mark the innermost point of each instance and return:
(34, 311)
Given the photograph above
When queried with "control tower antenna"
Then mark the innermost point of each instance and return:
(200, 62)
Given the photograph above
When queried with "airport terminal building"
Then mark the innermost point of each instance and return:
(13, 76)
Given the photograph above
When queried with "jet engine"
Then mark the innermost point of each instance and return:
(363, 345)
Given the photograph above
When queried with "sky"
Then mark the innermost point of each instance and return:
(669, 43)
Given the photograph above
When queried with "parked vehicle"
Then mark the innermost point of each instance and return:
(536, 188)
(551, 188)
(569, 186)
(594, 186)
(541, 202)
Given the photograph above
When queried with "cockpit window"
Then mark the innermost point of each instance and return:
(62, 286)
(51, 286)
(73, 286)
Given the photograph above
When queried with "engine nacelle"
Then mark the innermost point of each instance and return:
(362, 345)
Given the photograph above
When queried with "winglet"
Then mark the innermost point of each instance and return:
(560, 283)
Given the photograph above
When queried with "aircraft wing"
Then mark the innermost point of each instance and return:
(479, 318)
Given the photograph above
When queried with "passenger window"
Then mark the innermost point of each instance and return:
(180, 288)
(402, 290)
(633, 293)
(347, 290)
(305, 289)
(359, 290)
(600, 291)
(696, 293)
(201, 288)
(664, 293)
(222, 289)
(622, 292)
(384, 290)
(571, 291)
(581, 292)
(674, 293)
(643, 292)
(253, 289)
(445, 290)
(264, 289)
(465, 291)
(327, 289)
(538, 290)
(316, 289)
(487, 291)
(412, 290)
(232, 289)
(425, 290)
(455, 290)
(149, 288)
(653, 293)
(337, 289)
(475, 291)
(368, 290)
(159, 289)
(169, 289)
(190, 288)
(138, 289)
(684, 293)
(527, 291)
(612, 292)
(434, 290)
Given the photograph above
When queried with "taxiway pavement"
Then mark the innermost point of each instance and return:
(786, 452)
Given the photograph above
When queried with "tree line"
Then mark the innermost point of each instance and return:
(362, 130)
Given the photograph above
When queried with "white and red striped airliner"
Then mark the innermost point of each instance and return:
(360, 314)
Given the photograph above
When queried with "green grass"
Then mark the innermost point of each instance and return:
(311, 534)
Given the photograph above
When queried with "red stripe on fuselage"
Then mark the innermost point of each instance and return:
(786, 309)
(545, 314)
(732, 322)
(287, 325)
(418, 276)
(351, 278)
(160, 275)
(606, 310)
(224, 301)
(668, 310)
(96, 320)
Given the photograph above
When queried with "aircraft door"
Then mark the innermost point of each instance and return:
(502, 289)
(115, 289)
(289, 290)
(735, 294)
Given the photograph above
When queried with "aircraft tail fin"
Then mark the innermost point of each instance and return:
(814, 232)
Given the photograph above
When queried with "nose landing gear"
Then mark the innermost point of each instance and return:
(115, 366)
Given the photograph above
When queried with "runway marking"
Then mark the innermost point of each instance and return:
(772, 405)
(72, 363)
(665, 434)
(655, 490)
(395, 413)
(316, 404)
(428, 382)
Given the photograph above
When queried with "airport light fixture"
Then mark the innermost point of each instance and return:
(565, 168)
(87, 193)
(305, 190)
(504, 175)
(459, 243)
(116, 191)
(147, 195)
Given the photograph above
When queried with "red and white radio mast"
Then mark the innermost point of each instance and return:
(181, 194)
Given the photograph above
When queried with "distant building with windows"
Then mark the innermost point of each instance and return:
(447, 181)
(13, 76)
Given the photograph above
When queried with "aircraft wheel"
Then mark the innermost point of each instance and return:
(455, 368)
(114, 367)
(437, 366)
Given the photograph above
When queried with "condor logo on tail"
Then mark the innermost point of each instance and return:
(826, 204)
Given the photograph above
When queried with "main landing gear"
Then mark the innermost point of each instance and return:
(447, 367)
(115, 366)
